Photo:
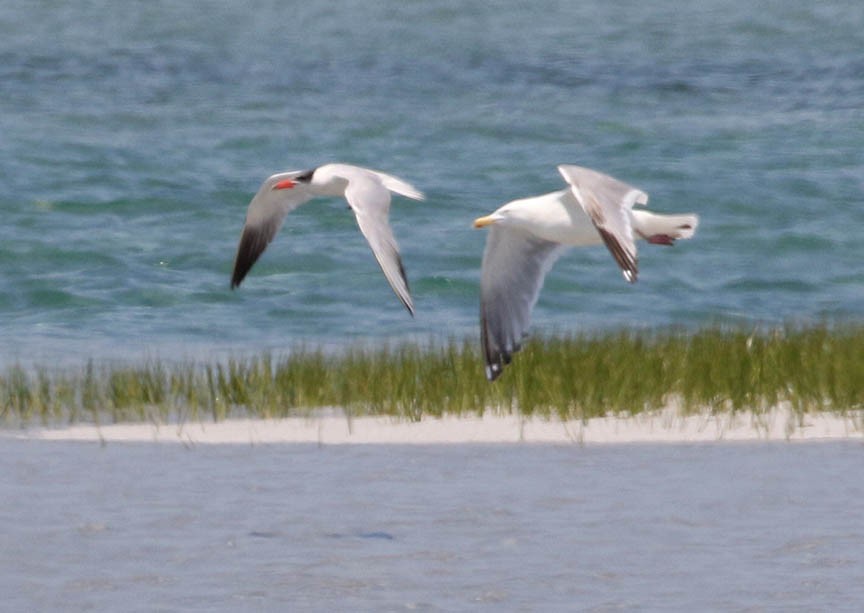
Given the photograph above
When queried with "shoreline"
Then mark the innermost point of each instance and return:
(334, 428)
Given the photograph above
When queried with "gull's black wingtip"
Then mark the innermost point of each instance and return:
(493, 371)
(495, 361)
(493, 358)
(628, 262)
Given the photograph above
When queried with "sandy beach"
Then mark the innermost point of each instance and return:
(333, 428)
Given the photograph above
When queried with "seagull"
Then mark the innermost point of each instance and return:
(368, 195)
(527, 236)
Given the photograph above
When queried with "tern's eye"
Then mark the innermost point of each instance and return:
(306, 177)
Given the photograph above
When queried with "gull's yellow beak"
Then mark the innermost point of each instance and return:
(482, 222)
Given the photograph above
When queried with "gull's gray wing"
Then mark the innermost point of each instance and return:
(514, 267)
(608, 201)
(264, 217)
(370, 201)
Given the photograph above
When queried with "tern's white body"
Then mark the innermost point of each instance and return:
(368, 195)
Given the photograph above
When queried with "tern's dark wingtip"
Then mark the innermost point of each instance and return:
(236, 280)
(409, 306)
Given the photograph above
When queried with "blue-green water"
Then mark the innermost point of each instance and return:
(132, 136)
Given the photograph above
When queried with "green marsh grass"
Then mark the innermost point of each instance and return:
(816, 368)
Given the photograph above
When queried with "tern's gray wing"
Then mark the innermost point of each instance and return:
(370, 201)
(608, 201)
(264, 217)
(514, 267)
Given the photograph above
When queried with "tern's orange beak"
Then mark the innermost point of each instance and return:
(482, 222)
(286, 184)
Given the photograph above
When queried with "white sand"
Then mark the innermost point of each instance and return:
(332, 428)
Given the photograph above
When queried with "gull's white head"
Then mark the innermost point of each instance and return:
(507, 215)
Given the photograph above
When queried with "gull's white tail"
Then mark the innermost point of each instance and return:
(670, 227)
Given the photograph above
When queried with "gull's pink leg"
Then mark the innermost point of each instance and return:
(660, 239)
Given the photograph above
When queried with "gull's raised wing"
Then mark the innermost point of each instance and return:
(608, 201)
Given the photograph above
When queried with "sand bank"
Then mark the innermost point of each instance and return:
(333, 428)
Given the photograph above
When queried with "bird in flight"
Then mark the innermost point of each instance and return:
(527, 236)
(368, 195)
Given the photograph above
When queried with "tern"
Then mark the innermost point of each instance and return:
(527, 236)
(368, 195)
